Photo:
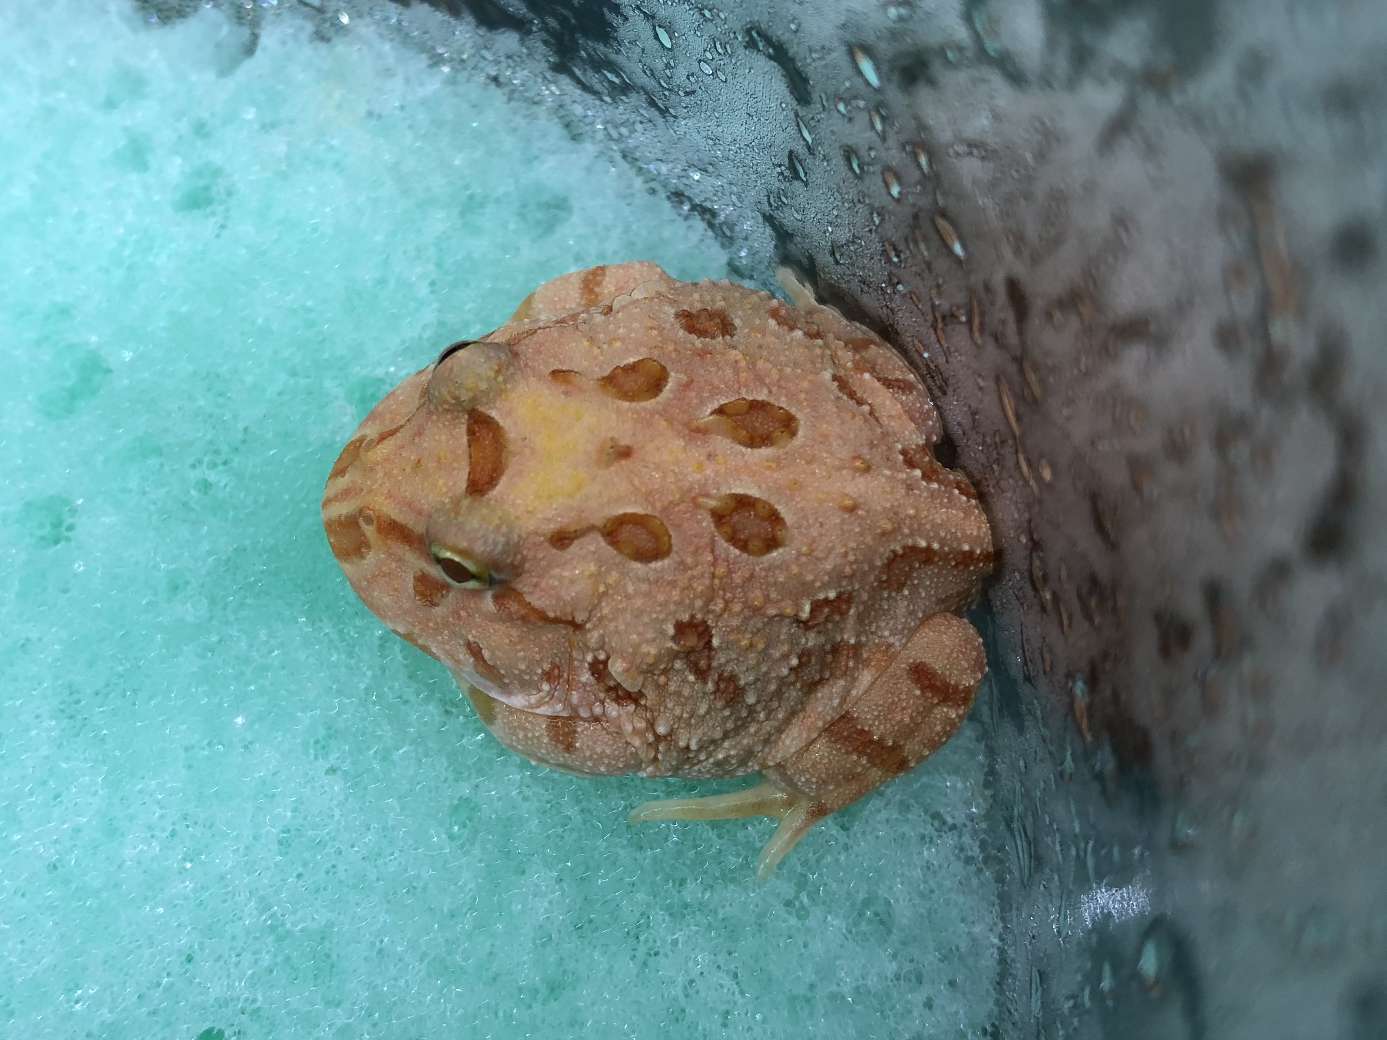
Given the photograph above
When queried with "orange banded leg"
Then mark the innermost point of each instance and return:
(914, 706)
(575, 745)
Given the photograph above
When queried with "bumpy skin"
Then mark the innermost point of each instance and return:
(712, 531)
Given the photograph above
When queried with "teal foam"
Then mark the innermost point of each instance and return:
(234, 806)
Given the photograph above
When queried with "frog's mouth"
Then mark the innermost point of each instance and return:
(539, 703)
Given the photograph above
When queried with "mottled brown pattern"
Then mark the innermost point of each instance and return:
(903, 564)
(612, 452)
(486, 452)
(850, 392)
(590, 288)
(614, 691)
(920, 457)
(428, 590)
(510, 604)
(706, 322)
(399, 534)
(752, 423)
(641, 380)
(694, 429)
(853, 737)
(794, 320)
(346, 537)
(639, 537)
(348, 456)
(828, 608)
(483, 667)
(749, 524)
(727, 689)
(562, 732)
(564, 538)
(694, 637)
(936, 688)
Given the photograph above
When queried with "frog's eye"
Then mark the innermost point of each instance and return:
(448, 352)
(461, 571)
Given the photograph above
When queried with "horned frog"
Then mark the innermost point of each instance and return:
(677, 529)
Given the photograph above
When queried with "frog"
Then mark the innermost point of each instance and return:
(677, 529)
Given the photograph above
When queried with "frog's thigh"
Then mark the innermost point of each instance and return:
(562, 741)
(583, 290)
(912, 708)
(916, 704)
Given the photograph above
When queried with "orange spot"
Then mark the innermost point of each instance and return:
(564, 537)
(748, 524)
(486, 452)
(706, 323)
(639, 380)
(752, 423)
(346, 537)
(637, 536)
(428, 590)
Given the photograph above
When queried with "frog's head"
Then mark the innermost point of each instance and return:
(473, 513)
(407, 515)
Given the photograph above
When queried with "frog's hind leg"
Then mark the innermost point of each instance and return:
(913, 707)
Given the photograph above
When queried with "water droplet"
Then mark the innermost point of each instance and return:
(950, 236)
(1151, 961)
(854, 163)
(892, 182)
(663, 37)
(797, 168)
(707, 69)
(840, 106)
(921, 157)
(865, 65)
(804, 131)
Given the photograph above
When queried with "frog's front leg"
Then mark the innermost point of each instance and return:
(912, 708)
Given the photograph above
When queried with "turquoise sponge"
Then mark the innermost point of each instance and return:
(234, 806)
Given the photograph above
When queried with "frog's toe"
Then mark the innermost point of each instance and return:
(795, 813)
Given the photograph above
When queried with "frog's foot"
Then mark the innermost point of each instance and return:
(915, 704)
(795, 813)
